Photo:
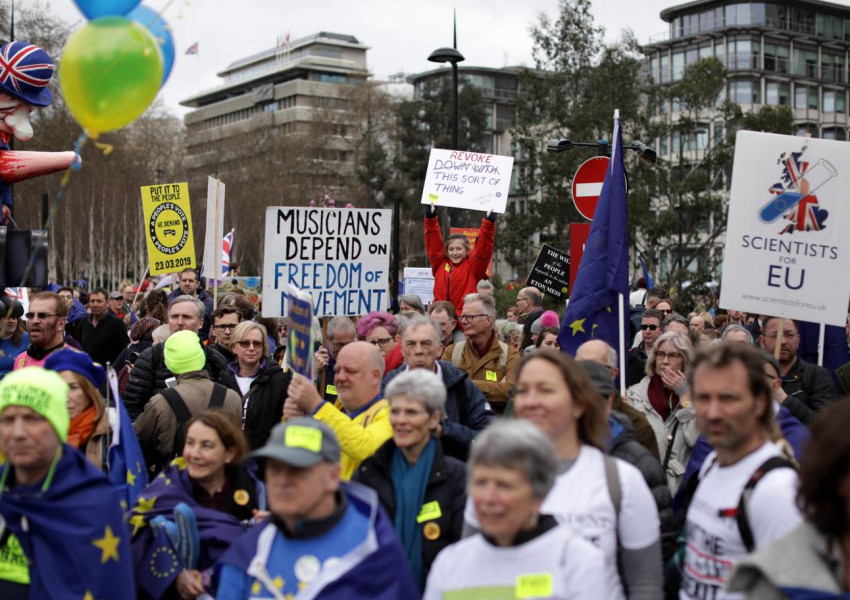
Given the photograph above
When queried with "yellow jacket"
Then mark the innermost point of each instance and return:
(359, 437)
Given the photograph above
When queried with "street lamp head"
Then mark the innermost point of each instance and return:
(644, 152)
(446, 55)
(559, 145)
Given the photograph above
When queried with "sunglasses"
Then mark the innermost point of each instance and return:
(650, 327)
(249, 344)
(40, 315)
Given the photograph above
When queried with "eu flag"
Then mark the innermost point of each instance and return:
(649, 283)
(71, 528)
(604, 272)
(127, 470)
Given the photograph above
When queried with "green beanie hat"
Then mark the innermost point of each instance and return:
(41, 390)
(183, 352)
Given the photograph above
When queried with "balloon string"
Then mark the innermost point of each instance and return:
(66, 177)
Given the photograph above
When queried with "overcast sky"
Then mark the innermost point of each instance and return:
(400, 33)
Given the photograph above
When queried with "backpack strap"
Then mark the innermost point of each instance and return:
(503, 357)
(178, 407)
(612, 478)
(741, 513)
(457, 351)
(670, 439)
(218, 394)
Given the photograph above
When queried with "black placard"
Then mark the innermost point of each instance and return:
(551, 272)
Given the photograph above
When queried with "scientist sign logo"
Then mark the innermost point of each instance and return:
(169, 228)
(793, 196)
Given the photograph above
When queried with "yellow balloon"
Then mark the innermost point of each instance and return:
(110, 72)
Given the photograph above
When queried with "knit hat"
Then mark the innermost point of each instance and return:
(183, 352)
(78, 362)
(40, 390)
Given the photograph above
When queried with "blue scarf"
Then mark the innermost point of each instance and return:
(409, 483)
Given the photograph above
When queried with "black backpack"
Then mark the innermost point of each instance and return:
(181, 411)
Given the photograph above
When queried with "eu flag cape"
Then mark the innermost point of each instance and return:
(604, 272)
(72, 531)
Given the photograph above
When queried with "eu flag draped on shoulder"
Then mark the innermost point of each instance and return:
(593, 311)
(65, 513)
(127, 470)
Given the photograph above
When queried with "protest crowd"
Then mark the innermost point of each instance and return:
(163, 439)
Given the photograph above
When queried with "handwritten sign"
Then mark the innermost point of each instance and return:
(468, 180)
(787, 250)
(340, 256)
(551, 272)
(168, 225)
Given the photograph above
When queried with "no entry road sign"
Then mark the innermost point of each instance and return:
(587, 185)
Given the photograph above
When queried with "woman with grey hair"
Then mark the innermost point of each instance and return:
(519, 552)
(664, 398)
(411, 303)
(420, 488)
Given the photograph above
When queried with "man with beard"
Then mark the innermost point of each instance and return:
(46, 328)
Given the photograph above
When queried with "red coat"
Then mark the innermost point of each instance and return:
(453, 282)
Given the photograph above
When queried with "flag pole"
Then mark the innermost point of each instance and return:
(217, 255)
(621, 312)
(821, 343)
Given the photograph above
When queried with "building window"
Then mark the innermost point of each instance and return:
(743, 53)
(738, 14)
(705, 51)
(775, 58)
(830, 26)
(665, 68)
(678, 65)
(328, 77)
(804, 130)
(663, 145)
(832, 67)
(806, 97)
(836, 133)
(744, 92)
(834, 101)
(801, 20)
(806, 63)
(777, 94)
(653, 68)
(776, 16)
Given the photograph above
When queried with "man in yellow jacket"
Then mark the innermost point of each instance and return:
(360, 418)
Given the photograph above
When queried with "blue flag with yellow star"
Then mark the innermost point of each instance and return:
(127, 470)
(604, 272)
(71, 528)
(299, 308)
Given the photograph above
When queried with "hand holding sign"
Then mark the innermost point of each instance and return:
(468, 180)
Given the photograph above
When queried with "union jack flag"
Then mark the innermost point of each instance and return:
(226, 250)
(193, 49)
(19, 72)
(807, 214)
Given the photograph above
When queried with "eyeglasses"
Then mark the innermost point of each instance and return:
(40, 315)
(518, 300)
(223, 326)
(650, 327)
(337, 344)
(381, 341)
(470, 317)
(249, 344)
(670, 355)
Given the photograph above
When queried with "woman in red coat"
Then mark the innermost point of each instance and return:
(457, 271)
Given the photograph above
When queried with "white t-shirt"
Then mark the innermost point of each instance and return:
(581, 500)
(714, 541)
(556, 564)
(244, 383)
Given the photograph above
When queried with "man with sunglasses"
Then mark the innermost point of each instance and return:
(489, 363)
(650, 329)
(46, 329)
(225, 319)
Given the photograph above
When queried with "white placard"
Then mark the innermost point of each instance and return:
(468, 180)
(787, 243)
(214, 230)
(341, 256)
(419, 281)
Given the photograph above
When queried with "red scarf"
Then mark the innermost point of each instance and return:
(82, 427)
(663, 400)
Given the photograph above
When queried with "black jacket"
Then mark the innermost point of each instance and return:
(636, 369)
(625, 447)
(265, 400)
(446, 485)
(527, 322)
(106, 341)
(149, 374)
(809, 388)
(467, 411)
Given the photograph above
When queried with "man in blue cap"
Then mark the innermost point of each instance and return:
(325, 538)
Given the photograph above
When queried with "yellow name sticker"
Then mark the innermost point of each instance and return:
(429, 512)
(303, 437)
(433, 197)
(491, 376)
(534, 585)
(448, 267)
(331, 389)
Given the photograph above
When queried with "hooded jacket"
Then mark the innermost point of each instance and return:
(625, 446)
(458, 432)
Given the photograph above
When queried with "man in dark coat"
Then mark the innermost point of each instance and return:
(149, 373)
(467, 411)
(101, 334)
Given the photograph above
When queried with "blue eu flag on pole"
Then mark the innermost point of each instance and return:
(127, 470)
(593, 311)
(649, 282)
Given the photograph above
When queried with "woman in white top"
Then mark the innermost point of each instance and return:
(556, 394)
(519, 553)
(664, 398)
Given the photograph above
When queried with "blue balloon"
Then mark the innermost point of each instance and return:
(160, 31)
(93, 9)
